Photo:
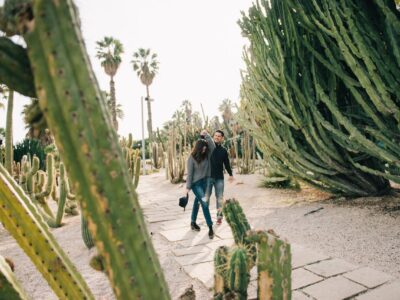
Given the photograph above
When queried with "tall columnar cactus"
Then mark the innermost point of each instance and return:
(9, 156)
(68, 93)
(61, 199)
(321, 91)
(232, 265)
(20, 217)
(9, 286)
(176, 157)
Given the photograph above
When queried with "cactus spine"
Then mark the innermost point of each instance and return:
(20, 217)
(89, 148)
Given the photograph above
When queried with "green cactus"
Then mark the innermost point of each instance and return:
(68, 93)
(232, 266)
(44, 191)
(238, 272)
(62, 198)
(16, 71)
(321, 94)
(9, 286)
(236, 219)
(273, 266)
(221, 257)
(137, 162)
(9, 156)
(20, 217)
(86, 235)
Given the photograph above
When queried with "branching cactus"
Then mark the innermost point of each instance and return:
(68, 93)
(270, 254)
(20, 217)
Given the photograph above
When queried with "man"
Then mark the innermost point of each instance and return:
(219, 159)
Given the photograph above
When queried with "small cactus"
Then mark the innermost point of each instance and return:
(265, 249)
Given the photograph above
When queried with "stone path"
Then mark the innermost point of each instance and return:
(314, 275)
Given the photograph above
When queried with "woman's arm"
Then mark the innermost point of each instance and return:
(190, 170)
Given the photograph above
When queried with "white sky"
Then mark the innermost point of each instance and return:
(199, 47)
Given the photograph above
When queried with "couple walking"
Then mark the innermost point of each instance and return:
(205, 170)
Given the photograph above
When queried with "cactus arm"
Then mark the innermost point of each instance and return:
(236, 219)
(21, 218)
(15, 71)
(86, 236)
(9, 286)
(220, 270)
(137, 171)
(56, 222)
(89, 147)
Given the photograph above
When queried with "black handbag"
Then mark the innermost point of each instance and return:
(183, 201)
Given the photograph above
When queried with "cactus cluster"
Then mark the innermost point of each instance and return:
(321, 91)
(132, 159)
(264, 249)
(176, 157)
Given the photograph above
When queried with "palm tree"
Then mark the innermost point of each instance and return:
(109, 51)
(118, 108)
(146, 66)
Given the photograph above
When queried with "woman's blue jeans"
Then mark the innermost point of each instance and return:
(199, 190)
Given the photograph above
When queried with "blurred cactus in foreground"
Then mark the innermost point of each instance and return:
(77, 115)
(321, 91)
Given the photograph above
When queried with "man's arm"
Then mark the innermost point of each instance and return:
(227, 165)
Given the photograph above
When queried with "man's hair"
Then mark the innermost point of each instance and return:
(219, 131)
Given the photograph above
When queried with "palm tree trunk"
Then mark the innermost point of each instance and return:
(9, 133)
(149, 120)
(113, 104)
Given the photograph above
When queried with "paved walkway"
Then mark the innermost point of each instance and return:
(314, 275)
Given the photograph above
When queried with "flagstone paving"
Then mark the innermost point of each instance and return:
(314, 275)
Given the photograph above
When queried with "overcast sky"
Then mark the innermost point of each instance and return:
(198, 43)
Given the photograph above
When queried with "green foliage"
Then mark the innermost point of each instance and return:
(31, 148)
(320, 92)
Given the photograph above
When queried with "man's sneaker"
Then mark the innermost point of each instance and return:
(219, 220)
(194, 226)
(210, 232)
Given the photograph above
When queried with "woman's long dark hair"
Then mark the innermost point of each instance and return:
(197, 152)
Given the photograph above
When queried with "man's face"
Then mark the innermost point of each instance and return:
(218, 138)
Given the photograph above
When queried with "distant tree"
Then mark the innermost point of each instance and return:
(146, 66)
(109, 52)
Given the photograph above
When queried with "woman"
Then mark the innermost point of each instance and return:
(197, 170)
